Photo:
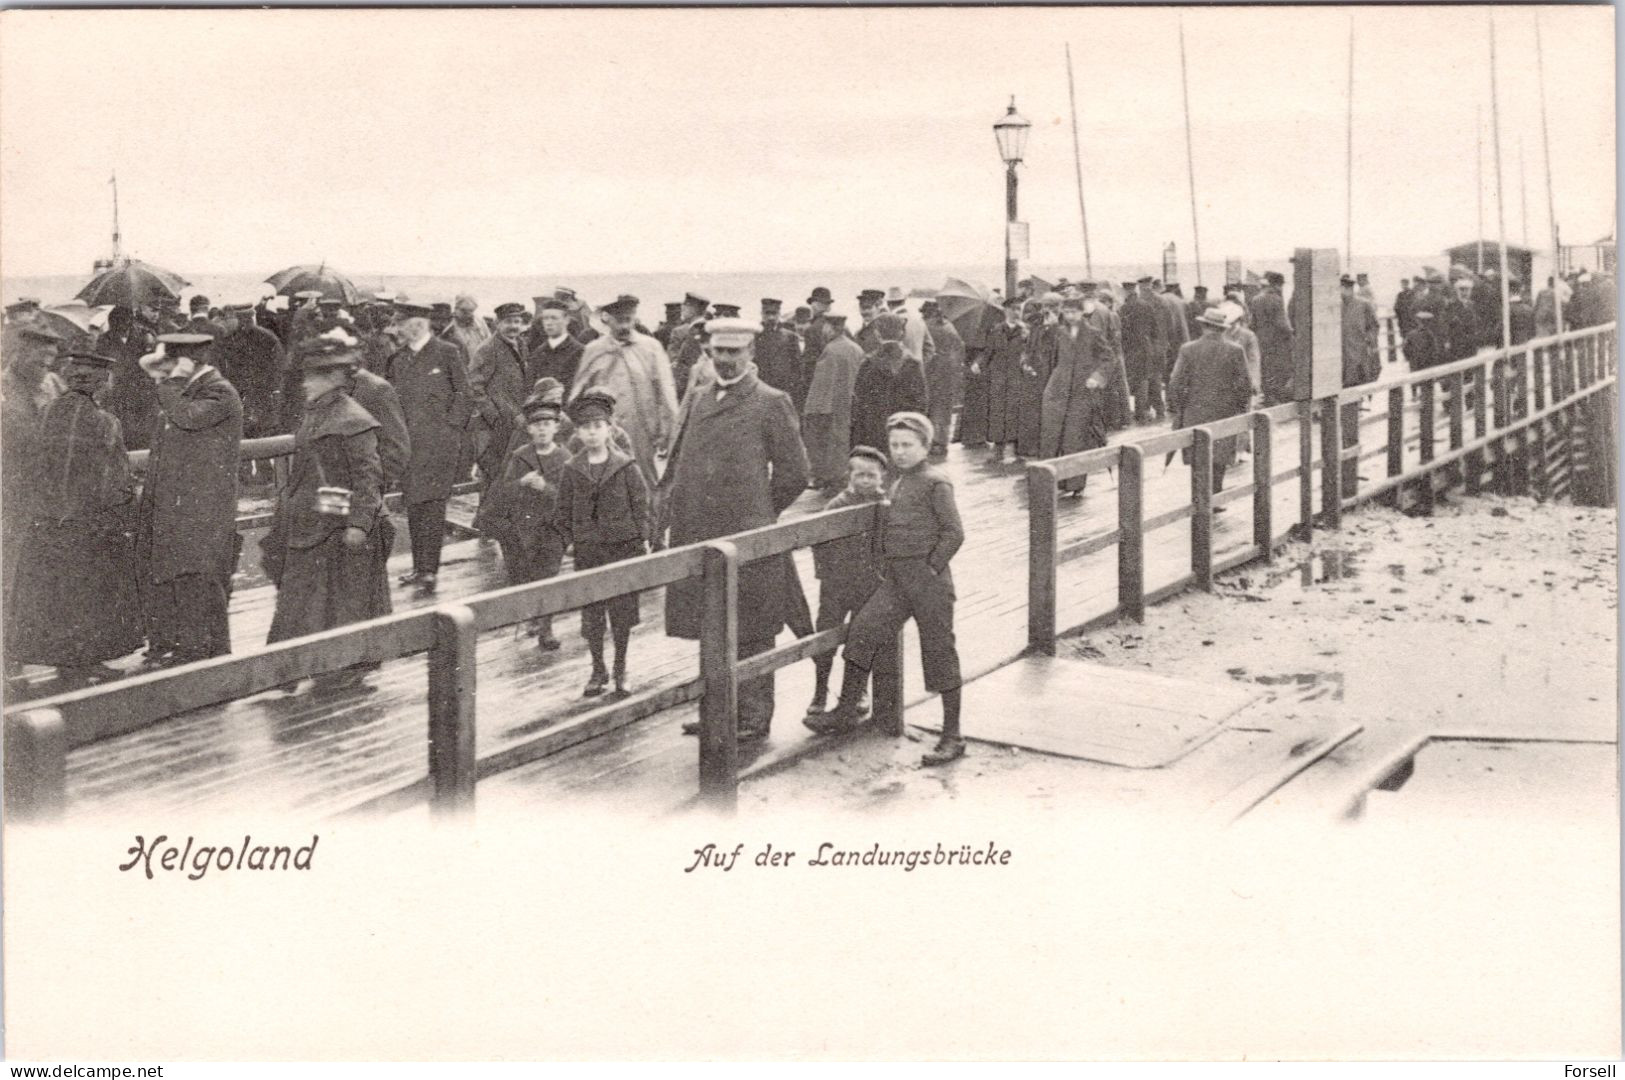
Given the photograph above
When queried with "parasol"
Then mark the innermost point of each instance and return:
(132, 283)
(321, 278)
(966, 304)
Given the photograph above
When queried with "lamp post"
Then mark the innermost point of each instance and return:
(1011, 134)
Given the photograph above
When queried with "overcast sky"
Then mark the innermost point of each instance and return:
(495, 142)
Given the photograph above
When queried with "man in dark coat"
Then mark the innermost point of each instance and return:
(1210, 382)
(200, 323)
(888, 382)
(1362, 363)
(551, 353)
(251, 359)
(499, 383)
(778, 354)
(186, 537)
(737, 463)
(1267, 313)
(1422, 346)
(435, 396)
(1521, 313)
(327, 547)
(1486, 301)
(1405, 308)
(73, 603)
(1174, 325)
(133, 400)
(1458, 322)
(944, 375)
(816, 334)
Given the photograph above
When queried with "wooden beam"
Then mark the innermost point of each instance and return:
(1042, 511)
(719, 653)
(1202, 508)
(36, 765)
(1131, 546)
(1263, 491)
(453, 685)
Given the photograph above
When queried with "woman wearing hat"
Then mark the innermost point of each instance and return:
(331, 533)
(73, 604)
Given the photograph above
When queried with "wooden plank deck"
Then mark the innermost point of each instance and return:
(323, 753)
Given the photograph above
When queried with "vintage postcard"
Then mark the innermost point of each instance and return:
(810, 533)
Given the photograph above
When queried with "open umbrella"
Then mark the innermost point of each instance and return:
(132, 283)
(321, 278)
(966, 304)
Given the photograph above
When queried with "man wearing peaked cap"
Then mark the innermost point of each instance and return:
(432, 380)
(778, 354)
(1267, 314)
(498, 379)
(551, 351)
(716, 485)
(683, 343)
(186, 530)
(662, 333)
(633, 367)
(73, 613)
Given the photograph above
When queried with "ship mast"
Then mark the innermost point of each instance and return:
(116, 253)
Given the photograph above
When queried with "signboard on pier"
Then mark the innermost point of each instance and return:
(1316, 313)
(1020, 240)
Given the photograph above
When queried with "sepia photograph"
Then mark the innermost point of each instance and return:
(810, 533)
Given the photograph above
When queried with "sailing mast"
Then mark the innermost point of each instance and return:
(1546, 150)
(1348, 180)
(1077, 165)
(1190, 165)
(1500, 203)
(116, 253)
(1478, 129)
(1523, 196)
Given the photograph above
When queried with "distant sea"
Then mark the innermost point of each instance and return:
(743, 287)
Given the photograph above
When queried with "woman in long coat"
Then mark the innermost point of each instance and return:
(73, 605)
(827, 415)
(1001, 364)
(326, 565)
(1209, 383)
(1036, 365)
(1077, 396)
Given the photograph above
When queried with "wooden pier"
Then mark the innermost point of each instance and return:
(464, 701)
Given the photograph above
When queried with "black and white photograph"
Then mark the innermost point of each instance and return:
(810, 533)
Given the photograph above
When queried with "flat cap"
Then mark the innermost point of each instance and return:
(594, 403)
(868, 453)
(504, 311)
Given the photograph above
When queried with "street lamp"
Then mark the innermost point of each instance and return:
(1011, 134)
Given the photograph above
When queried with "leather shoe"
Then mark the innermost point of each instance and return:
(596, 684)
(945, 751)
(409, 579)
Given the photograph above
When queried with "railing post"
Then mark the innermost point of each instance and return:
(888, 698)
(1540, 379)
(1042, 509)
(1396, 444)
(1131, 530)
(1480, 396)
(1500, 418)
(1306, 474)
(36, 766)
(1392, 336)
(1427, 418)
(1457, 406)
(452, 691)
(1331, 464)
(719, 653)
(1263, 480)
(1202, 508)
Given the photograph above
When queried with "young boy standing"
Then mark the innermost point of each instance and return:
(521, 509)
(604, 512)
(848, 571)
(919, 534)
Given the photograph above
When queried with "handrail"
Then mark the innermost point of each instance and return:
(1576, 364)
(47, 729)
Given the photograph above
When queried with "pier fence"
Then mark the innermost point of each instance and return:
(1542, 416)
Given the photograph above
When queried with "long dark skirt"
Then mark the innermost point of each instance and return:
(973, 416)
(74, 599)
(329, 585)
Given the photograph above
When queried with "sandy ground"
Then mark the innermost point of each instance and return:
(1494, 612)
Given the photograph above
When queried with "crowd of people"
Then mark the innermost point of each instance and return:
(589, 434)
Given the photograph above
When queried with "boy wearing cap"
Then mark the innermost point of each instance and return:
(331, 532)
(919, 533)
(603, 514)
(521, 511)
(186, 537)
(78, 612)
(848, 571)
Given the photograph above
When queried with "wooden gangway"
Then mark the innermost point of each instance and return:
(461, 705)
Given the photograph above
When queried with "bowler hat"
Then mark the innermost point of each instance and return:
(821, 295)
(1274, 277)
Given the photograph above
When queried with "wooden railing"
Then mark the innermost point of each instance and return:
(39, 735)
(1524, 401)
(278, 450)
